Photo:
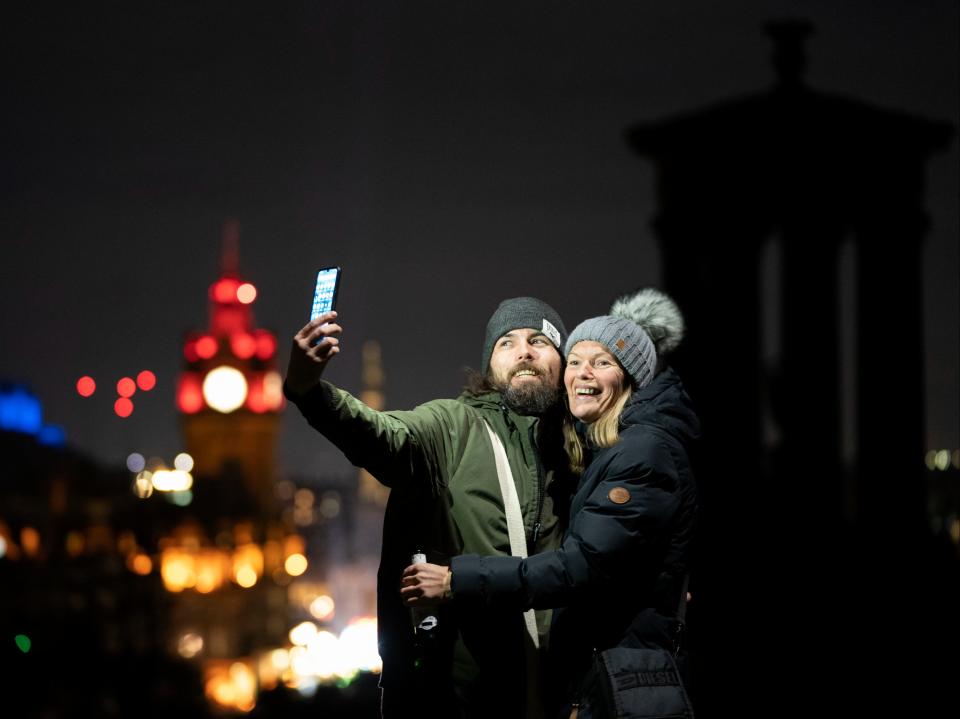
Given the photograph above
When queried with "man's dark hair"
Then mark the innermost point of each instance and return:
(478, 383)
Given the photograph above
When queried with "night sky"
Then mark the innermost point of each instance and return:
(445, 154)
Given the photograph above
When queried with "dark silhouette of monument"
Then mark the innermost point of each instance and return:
(813, 566)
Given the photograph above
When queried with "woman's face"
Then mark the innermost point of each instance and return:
(594, 380)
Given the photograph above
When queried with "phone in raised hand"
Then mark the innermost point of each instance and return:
(325, 294)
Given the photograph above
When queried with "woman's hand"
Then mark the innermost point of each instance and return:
(425, 585)
(313, 347)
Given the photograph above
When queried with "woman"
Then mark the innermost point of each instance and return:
(619, 576)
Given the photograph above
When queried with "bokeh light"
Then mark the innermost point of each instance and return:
(123, 407)
(205, 347)
(126, 387)
(30, 541)
(243, 345)
(295, 565)
(301, 634)
(190, 645)
(140, 563)
(330, 504)
(52, 435)
(146, 380)
(181, 498)
(225, 389)
(323, 607)
(183, 462)
(942, 459)
(172, 480)
(358, 644)
(246, 293)
(273, 390)
(189, 393)
(190, 350)
(23, 642)
(246, 577)
(224, 290)
(266, 345)
(86, 386)
(255, 400)
(136, 462)
(143, 485)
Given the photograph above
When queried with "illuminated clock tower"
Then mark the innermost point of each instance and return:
(229, 392)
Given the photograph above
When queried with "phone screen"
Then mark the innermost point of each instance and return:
(325, 295)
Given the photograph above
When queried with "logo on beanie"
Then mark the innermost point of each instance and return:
(621, 344)
(550, 331)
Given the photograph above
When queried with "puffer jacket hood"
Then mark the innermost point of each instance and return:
(664, 403)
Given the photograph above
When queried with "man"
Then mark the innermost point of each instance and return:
(446, 500)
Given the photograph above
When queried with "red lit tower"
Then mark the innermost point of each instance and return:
(229, 393)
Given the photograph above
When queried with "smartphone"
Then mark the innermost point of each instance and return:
(325, 294)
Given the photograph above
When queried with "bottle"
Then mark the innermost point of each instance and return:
(424, 618)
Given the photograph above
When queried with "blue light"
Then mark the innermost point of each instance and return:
(20, 411)
(52, 435)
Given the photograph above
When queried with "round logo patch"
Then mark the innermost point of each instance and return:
(619, 495)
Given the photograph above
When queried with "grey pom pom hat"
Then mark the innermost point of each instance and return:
(523, 312)
(639, 327)
(625, 339)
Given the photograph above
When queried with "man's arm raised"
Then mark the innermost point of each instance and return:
(313, 347)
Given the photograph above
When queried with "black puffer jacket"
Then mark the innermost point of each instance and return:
(618, 574)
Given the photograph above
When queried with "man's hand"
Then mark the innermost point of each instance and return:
(425, 585)
(313, 347)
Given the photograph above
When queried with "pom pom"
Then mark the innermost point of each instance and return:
(657, 314)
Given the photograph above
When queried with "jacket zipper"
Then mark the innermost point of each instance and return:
(540, 491)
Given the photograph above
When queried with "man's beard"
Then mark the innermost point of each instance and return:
(528, 398)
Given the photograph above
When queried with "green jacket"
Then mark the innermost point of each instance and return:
(445, 500)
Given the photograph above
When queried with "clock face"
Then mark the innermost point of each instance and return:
(225, 389)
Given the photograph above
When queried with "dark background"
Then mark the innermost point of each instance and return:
(448, 155)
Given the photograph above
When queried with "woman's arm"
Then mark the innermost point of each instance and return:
(620, 518)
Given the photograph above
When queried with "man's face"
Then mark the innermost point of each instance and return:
(525, 367)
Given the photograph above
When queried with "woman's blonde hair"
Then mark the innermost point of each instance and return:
(602, 432)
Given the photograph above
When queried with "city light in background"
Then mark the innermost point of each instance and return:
(229, 377)
(126, 388)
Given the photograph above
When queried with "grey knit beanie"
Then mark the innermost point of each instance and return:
(527, 313)
(638, 328)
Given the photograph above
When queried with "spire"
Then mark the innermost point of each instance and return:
(230, 257)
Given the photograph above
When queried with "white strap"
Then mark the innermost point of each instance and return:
(511, 507)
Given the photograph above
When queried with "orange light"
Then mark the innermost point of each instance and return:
(30, 541)
(140, 564)
(189, 393)
(243, 345)
(266, 345)
(206, 347)
(86, 386)
(246, 293)
(273, 390)
(123, 407)
(295, 565)
(146, 380)
(126, 387)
